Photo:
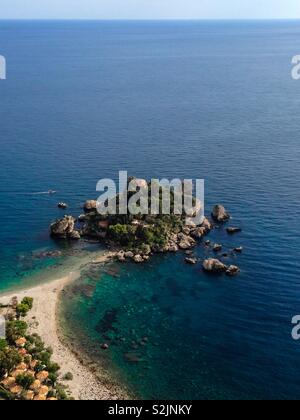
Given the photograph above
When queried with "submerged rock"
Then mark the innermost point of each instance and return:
(233, 230)
(132, 357)
(219, 214)
(212, 265)
(48, 254)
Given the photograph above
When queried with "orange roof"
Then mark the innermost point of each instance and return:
(36, 385)
(29, 395)
(22, 366)
(40, 398)
(33, 364)
(43, 390)
(42, 376)
(9, 381)
(22, 352)
(16, 389)
(21, 342)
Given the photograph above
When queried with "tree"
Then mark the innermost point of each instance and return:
(15, 330)
(25, 380)
(28, 301)
(22, 310)
(9, 359)
(24, 307)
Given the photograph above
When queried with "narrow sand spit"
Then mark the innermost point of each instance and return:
(42, 320)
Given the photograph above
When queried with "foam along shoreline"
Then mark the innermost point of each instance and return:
(43, 320)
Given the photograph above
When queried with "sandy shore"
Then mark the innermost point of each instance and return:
(43, 321)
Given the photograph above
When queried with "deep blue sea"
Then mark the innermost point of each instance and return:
(212, 100)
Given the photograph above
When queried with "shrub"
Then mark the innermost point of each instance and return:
(122, 234)
(3, 344)
(61, 393)
(6, 395)
(52, 367)
(68, 376)
(52, 378)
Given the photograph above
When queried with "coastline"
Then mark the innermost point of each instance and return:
(43, 320)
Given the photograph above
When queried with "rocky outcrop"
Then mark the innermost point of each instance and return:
(232, 271)
(198, 233)
(173, 247)
(212, 265)
(121, 256)
(138, 259)
(239, 249)
(217, 247)
(129, 254)
(185, 241)
(90, 205)
(207, 225)
(190, 260)
(62, 205)
(75, 235)
(216, 266)
(219, 214)
(65, 229)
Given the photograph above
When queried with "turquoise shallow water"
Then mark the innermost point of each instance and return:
(211, 100)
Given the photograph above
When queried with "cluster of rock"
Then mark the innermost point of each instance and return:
(184, 240)
(139, 257)
(65, 229)
(212, 265)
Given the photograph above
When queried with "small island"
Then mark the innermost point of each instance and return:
(133, 237)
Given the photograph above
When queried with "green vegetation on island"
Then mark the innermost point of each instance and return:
(136, 236)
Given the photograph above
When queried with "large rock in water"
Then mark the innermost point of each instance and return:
(219, 214)
(212, 265)
(90, 205)
(65, 229)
